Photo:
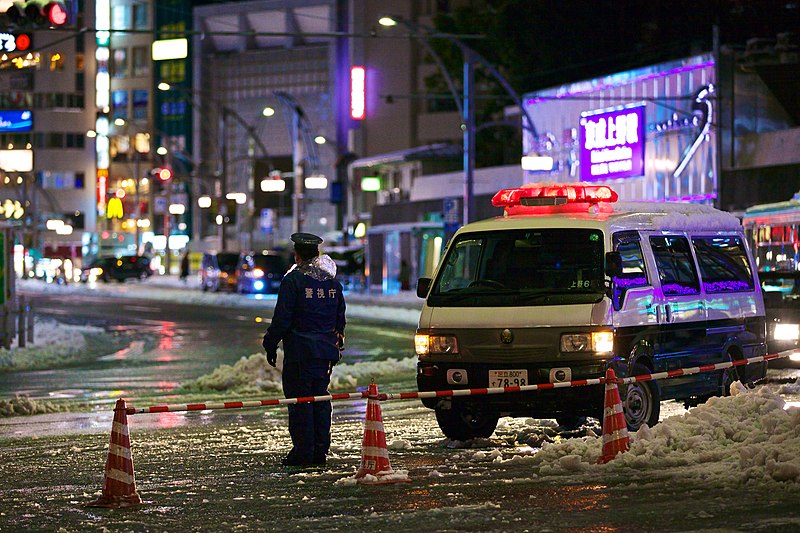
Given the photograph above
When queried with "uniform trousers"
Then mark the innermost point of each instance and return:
(309, 423)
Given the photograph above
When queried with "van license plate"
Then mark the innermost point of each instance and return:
(508, 378)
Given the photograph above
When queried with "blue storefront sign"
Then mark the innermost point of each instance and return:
(16, 121)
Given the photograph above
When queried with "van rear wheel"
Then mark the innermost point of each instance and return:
(463, 423)
(641, 401)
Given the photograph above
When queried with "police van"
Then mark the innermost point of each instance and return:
(570, 282)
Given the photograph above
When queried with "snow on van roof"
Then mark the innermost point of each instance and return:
(678, 216)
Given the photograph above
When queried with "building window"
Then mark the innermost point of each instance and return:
(54, 140)
(173, 71)
(61, 180)
(140, 101)
(141, 61)
(119, 63)
(140, 17)
(120, 18)
(119, 103)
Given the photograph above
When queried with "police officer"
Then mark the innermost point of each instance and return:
(309, 319)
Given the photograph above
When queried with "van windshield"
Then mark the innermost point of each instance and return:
(522, 267)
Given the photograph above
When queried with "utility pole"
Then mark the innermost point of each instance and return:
(297, 163)
(223, 205)
(137, 196)
(469, 136)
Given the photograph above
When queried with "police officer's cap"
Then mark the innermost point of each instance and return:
(306, 240)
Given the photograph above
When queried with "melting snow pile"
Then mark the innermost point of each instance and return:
(248, 374)
(253, 374)
(745, 438)
(24, 406)
(51, 340)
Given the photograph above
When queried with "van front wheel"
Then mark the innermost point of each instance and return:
(641, 401)
(461, 423)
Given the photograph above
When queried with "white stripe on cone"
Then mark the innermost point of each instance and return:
(121, 476)
(612, 410)
(120, 451)
(619, 434)
(371, 451)
(122, 429)
(374, 425)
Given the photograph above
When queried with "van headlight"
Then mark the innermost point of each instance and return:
(425, 344)
(600, 342)
(786, 332)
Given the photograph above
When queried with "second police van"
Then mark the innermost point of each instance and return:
(570, 282)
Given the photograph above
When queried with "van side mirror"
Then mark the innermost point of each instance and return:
(613, 264)
(423, 286)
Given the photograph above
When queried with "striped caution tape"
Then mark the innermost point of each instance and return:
(455, 392)
(246, 404)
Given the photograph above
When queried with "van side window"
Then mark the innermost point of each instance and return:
(461, 268)
(723, 264)
(634, 273)
(675, 265)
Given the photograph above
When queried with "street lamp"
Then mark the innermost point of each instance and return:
(466, 105)
(344, 156)
(226, 113)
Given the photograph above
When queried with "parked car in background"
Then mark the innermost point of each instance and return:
(218, 271)
(261, 271)
(108, 268)
(782, 303)
(349, 265)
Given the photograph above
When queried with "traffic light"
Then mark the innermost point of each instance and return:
(38, 13)
(164, 174)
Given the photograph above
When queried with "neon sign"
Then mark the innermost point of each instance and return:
(612, 143)
(358, 94)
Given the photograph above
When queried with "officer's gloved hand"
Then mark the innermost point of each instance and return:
(272, 357)
(272, 353)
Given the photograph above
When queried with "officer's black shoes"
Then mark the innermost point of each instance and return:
(290, 460)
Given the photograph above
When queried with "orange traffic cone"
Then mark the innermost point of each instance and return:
(615, 429)
(375, 467)
(119, 485)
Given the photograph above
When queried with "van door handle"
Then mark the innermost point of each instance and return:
(668, 312)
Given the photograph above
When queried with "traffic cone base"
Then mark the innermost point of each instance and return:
(119, 484)
(615, 429)
(375, 467)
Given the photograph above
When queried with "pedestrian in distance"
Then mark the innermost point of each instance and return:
(309, 319)
(185, 266)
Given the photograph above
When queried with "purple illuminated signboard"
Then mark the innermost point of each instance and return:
(612, 144)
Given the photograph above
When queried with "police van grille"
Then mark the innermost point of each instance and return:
(508, 354)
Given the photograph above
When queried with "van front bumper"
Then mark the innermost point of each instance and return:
(548, 403)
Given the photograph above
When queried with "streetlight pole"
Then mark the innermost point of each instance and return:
(468, 115)
(223, 202)
(226, 112)
(297, 165)
(467, 103)
(136, 196)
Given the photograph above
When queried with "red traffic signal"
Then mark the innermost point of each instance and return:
(164, 174)
(38, 13)
(56, 13)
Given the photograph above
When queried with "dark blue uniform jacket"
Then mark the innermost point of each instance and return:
(309, 313)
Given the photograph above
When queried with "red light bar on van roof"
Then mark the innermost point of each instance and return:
(573, 197)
